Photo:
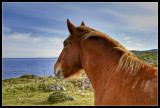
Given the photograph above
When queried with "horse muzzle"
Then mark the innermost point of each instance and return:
(58, 72)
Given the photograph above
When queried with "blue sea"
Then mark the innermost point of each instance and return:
(16, 67)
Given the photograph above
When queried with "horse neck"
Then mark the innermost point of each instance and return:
(98, 61)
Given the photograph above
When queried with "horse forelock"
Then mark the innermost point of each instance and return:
(127, 61)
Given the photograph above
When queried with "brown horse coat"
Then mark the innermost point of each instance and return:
(118, 78)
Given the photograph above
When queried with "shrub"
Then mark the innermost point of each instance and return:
(28, 76)
(57, 96)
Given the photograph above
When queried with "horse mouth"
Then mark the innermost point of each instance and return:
(59, 74)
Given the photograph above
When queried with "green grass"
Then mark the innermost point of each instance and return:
(25, 91)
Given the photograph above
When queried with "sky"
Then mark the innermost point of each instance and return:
(38, 29)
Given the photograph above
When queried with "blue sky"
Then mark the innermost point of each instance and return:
(39, 29)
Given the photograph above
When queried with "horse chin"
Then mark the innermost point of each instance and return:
(61, 77)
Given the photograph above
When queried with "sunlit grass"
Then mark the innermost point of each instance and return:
(34, 92)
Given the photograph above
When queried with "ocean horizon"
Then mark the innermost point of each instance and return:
(16, 67)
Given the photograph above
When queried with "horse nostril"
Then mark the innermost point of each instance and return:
(58, 72)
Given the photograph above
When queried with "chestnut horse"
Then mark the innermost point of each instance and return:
(118, 78)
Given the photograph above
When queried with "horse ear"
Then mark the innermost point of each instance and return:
(82, 24)
(71, 27)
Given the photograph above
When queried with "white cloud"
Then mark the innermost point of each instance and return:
(56, 40)
(134, 46)
(149, 5)
(129, 42)
(20, 36)
(6, 29)
(142, 23)
(139, 44)
(50, 30)
(127, 38)
(35, 39)
(24, 45)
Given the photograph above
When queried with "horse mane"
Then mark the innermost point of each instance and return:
(128, 61)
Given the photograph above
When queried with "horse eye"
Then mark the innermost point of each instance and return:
(64, 45)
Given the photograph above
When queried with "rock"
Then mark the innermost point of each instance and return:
(83, 87)
(35, 77)
(82, 94)
(62, 88)
(50, 93)
(89, 95)
(75, 84)
(79, 90)
(85, 82)
(52, 88)
(19, 98)
(71, 98)
(57, 87)
(50, 76)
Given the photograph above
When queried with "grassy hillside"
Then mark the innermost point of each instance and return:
(149, 57)
(29, 90)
